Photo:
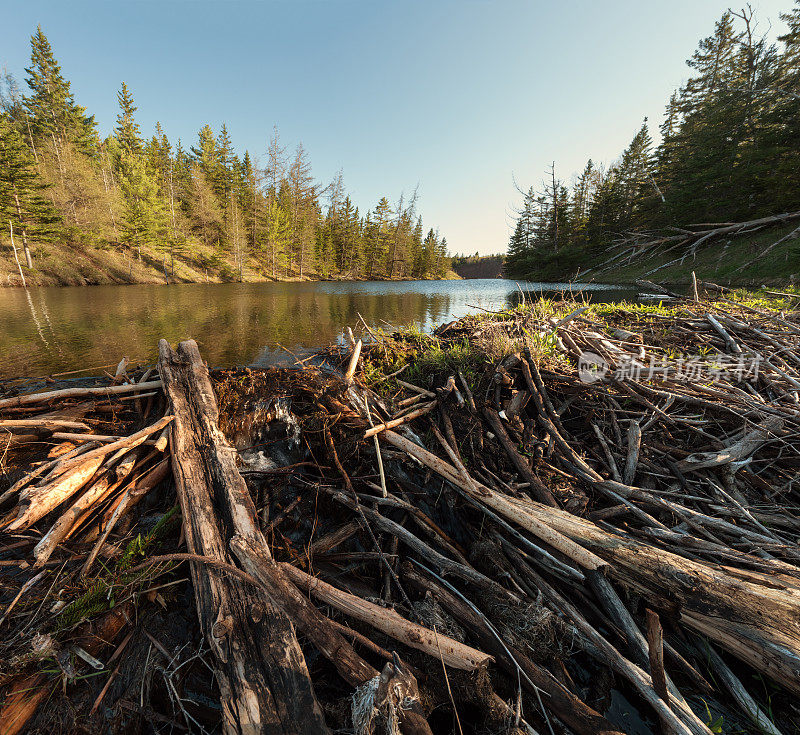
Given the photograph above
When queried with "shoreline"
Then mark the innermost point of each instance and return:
(181, 282)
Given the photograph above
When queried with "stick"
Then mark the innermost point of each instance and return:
(537, 487)
(738, 692)
(415, 414)
(655, 648)
(304, 616)
(634, 443)
(351, 368)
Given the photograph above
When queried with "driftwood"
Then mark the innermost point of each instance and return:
(301, 612)
(36, 502)
(264, 682)
(39, 501)
(453, 653)
(43, 425)
(103, 392)
(103, 485)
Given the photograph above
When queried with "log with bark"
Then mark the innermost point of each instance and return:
(263, 678)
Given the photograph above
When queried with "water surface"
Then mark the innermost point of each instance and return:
(45, 331)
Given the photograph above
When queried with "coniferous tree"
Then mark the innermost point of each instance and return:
(144, 219)
(21, 200)
(150, 195)
(51, 108)
(127, 131)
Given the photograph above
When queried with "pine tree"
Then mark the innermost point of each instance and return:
(21, 200)
(781, 138)
(206, 155)
(517, 256)
(376, 238)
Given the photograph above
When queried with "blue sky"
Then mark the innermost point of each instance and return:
(460, 96)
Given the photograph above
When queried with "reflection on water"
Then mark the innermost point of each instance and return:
(51, 330)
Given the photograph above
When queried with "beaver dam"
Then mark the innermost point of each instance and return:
(562, 518)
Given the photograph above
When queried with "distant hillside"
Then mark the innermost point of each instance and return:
(478, 266)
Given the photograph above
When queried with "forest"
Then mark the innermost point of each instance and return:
(729, 151)
(128, 202)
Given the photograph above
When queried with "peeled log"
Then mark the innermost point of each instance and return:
(16, 426)
(454, 654)
(756, 622)
(77, 393)
(106, 484)
(37, 502)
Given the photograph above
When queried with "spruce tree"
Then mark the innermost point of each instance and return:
(144, 216)
(21, 200)
(127, 131)
(51, 107)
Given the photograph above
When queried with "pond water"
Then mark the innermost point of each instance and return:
(46, 331)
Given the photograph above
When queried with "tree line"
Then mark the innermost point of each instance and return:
(156, 199)
(729, 151)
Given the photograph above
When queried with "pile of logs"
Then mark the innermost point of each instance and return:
(484, 541)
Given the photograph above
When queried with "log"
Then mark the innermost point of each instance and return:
(758, 622)
(43, 469)
(104, 484)
(655, 649)
(500, 503)
(37, 502)
(263, 678)
(306, 618)
(455, 654)
(736, 452)
(78, 393)
(42, 424)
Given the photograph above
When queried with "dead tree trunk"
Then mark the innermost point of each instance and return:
(264, 682)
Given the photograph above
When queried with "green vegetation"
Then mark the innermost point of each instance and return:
(105, 590)
(729, 152)
(132, 208)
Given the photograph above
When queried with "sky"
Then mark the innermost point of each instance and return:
(460, 97)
